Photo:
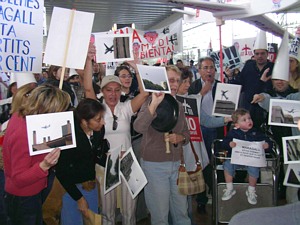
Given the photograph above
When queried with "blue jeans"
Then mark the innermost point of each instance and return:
(24, 210)
(231, 168)
(70, 215)
(161, 193)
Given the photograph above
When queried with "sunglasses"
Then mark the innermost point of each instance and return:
(115, 123)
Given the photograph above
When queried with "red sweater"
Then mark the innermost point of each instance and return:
(23, 175)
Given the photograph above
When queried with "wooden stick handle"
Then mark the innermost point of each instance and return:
(66, 49)
(167, 144)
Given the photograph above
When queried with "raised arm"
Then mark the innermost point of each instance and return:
(138, 100)
(87, 73)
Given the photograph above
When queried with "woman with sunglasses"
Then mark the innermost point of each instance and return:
(117, 131)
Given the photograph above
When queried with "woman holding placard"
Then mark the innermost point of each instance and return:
(117, 127)
(26, 176)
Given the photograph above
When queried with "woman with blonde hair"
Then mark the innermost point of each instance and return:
(26, 176)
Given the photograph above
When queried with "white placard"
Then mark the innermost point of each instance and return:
(112, 170)
(226, 99)
(284, 112)
(80, 33)
(245, 47)
(132, 173)
(291, 149)
(21, 36)
(48, 131)
(154, 78)
(292, 176)
(248, 153)
(113, 48)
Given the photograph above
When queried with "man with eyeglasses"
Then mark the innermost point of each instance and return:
(253, 82)
(211, 126)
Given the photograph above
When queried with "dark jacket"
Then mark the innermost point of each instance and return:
(77, 165)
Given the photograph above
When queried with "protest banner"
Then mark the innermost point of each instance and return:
(21, 36)
(248, 153)
(68, 39)
(154, 43)
(191, 105)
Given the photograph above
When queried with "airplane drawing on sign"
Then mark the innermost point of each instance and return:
(166, 30)
(291, 111)
(108, 50)
(224, 94)
(246, 49)
(172, 39)
(252, 12)
(46, 126)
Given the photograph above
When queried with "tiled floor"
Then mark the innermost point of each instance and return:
(203, 219)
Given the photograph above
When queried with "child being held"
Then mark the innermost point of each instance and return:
(243, 130)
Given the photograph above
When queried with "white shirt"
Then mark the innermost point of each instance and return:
(120, 136)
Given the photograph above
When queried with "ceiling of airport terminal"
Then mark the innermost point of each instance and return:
(143, 13)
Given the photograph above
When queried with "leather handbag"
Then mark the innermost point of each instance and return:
(190, 182)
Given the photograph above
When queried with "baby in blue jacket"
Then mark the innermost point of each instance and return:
(243, 130)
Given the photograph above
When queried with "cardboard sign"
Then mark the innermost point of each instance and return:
(248, 153)
(191, 112)
(231, 58)
(113, 48)
(21, 36)
(245, 47)
(68, 39)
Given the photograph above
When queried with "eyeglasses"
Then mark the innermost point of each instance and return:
(115, 123)
(208, 68)
(125, 76)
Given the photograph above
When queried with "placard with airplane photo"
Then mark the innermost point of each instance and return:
(226, 99)
(112, 170)
(132, 173)
(113, 48)
(284, 112)
(292, 176)
(291, 149)
(51, 130)
(154, 78)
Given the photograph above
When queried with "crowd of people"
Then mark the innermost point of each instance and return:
(109, 111)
